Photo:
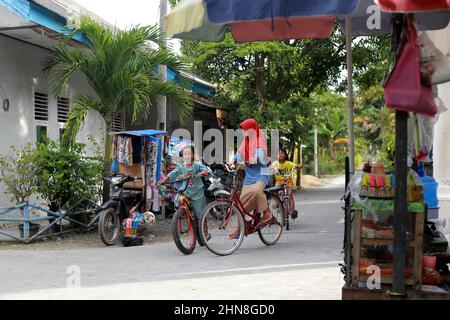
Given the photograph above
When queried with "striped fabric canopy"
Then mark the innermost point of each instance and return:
(266, 20)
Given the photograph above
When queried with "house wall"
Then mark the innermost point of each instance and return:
(441, 150)
(20, 76)
(200, 113)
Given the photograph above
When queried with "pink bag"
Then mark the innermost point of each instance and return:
(404, 90)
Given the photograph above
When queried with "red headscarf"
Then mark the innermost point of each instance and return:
(255, 140)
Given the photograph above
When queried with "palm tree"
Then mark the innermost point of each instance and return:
(120, 67)
(334, 127)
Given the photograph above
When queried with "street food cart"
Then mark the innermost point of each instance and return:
(139, 154)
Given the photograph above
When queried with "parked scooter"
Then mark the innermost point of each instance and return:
(118, 208)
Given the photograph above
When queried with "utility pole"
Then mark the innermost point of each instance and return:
(161, 116)
(316, 149)
(162, 101)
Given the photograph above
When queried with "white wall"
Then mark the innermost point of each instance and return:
(20, 76)
(442, 133)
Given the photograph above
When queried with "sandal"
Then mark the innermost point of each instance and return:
(234, 236)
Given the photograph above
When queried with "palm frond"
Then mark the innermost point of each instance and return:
(61, 65)
(77, 116)
(176, 94)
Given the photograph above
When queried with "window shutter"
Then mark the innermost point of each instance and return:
(40, 106)
(63, 109)
(117, 122)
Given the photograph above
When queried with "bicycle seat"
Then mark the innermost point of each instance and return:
(273, 190)
(222, 194)
(130, 195)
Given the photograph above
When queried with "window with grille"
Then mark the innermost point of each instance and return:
(63, 109)
(40, 106)
(117, 122)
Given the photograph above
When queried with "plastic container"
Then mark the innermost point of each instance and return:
(430, 187)
(429, 262)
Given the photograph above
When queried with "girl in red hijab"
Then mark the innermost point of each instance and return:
(253, 152)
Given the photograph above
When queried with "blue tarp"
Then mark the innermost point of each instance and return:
(142, 133)
(190, 85)
(151, 134)
(226, 11)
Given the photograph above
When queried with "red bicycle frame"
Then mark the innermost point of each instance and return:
(184, 205)
(252, 225)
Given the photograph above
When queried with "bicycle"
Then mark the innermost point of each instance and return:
(184, 225)
(227, 214)
(285, 196)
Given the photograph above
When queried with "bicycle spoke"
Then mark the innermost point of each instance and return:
(221, 224)
(271, 233)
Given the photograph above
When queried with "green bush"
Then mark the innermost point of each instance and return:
(18, 174)
(67, 175)
(59, 176)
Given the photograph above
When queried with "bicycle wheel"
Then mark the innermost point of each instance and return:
(271, 234)
(217, 223)
(197, 233)
(183, 232)
(108, 226)
(286, 213)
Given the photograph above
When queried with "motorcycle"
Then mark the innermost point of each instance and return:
(122, 203)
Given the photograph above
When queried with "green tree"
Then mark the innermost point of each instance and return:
(120, 67)
(376, 123)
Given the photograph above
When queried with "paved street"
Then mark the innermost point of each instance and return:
(304, 265)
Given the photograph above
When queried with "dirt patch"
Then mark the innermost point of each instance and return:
(88, 239)
(311, 181)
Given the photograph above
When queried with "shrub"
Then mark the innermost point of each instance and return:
(66, 175)
(18, 174)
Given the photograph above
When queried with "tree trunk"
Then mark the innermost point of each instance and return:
(107, 163)
(299, 159)
(333, 151)
(259, 79)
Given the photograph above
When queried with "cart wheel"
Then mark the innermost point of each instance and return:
(109, 226)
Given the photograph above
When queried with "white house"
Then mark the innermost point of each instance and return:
(442, 133)
(27, 107)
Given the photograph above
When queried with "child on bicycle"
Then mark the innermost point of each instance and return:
(190, 168)
(284, 167)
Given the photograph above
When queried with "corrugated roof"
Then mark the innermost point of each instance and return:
(65, 8)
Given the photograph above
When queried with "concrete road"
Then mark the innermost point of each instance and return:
(303, 265)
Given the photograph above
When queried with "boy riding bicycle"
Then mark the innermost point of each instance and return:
(284, 167)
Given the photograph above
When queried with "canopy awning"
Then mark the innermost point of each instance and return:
(266, 20)
(142, 133)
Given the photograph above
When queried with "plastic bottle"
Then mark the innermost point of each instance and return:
(421, 170)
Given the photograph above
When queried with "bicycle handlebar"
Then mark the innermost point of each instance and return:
(287, 175)
(235, 170)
